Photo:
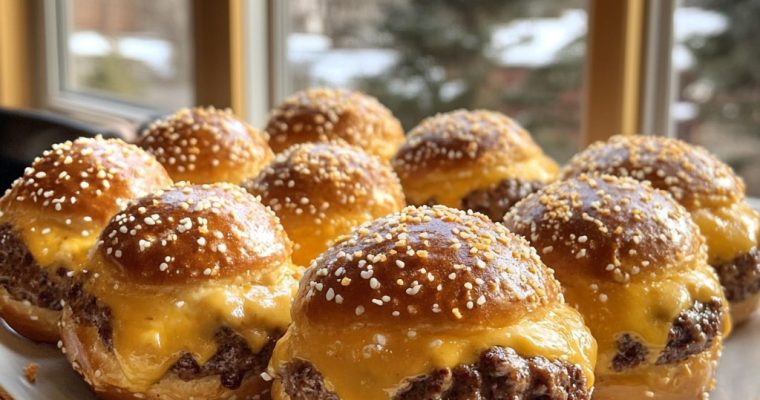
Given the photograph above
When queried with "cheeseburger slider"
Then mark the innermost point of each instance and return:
(432, 303)
(708, 188)
(51, 218)
(207, 145)
(472, 160)
(323, 190)
(186, 293)
(631, 260)
(323, 115)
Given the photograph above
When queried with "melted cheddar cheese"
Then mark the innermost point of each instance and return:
(679, 381)
(311, 239)
(452, 186)
(153, 326)
(358, 363)
(52, 244)
(729, 231)
(643, 308)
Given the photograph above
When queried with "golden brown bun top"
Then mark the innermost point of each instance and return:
(321, 115)
(460, 138)
(207, 145)
(695, 177)
(608, 227)
(190, 233)
(314, 179)
(86, 180)
(423, 266)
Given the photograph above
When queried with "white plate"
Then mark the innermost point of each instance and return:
(738, 374)
(55, 378)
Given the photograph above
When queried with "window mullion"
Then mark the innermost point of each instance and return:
(614, 68)
(659, 79)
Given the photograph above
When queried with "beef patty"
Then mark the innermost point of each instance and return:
(499, 373)
(23, 278)
(233, 361)
(692, 333)
(740, 277)
(497, 200)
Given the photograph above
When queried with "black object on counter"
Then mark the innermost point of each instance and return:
(25, 134)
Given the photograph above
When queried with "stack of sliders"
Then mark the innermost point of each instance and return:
(211, 260)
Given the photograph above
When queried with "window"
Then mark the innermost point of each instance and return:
(524, 58)
(716, 57)
(133, 52)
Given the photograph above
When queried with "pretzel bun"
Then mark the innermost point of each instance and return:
(322, 115)
(185, 295)
(690, 173)
(707, 187)
(51, 217)
(323, 190)
(420, 290)
(207, 145)
(449, 158)
(632, 262)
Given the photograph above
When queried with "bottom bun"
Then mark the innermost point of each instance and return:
(36, 323)
(278, 392)
(100, 369)
(743, 310)
(691, 379)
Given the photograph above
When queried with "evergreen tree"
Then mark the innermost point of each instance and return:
(445, 62)
(725, 85)
(729, 63)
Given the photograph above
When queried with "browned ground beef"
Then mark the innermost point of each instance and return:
(494, 202)
(692, 333)
(741, 276)
(234, 360)
(631, 353)
(23, 278)
(497, 200)
(87, 310)
(302, 382)
(500, 373)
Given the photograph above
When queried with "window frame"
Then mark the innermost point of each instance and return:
(658, 89)
(17, 54)
(239, 59)
(87, 106)
(261, 59)
(30, 59)
(249, 32)
(616, 34)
